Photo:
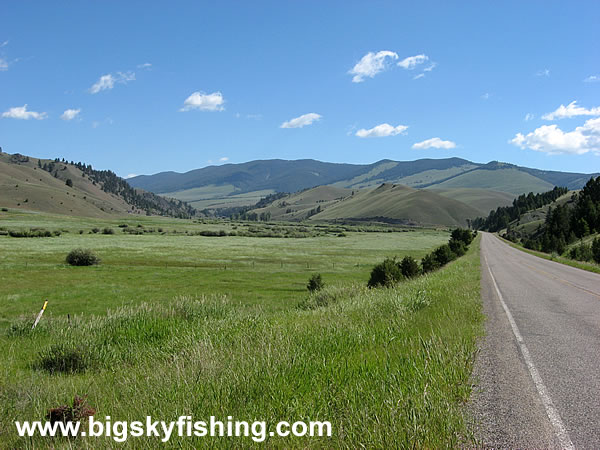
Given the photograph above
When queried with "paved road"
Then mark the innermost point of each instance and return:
(538, 371)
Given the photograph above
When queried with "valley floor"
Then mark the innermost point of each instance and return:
(177, 324)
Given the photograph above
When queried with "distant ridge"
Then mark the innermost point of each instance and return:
(235, 183)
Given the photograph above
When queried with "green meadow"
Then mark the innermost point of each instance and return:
(172, 322)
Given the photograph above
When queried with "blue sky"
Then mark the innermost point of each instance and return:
(143, 87)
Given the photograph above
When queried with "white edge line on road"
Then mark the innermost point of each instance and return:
(555, 420)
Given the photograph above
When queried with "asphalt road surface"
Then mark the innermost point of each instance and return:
(537, 376)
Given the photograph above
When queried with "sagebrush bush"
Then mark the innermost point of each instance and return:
(33, 233)
(315, 283)
(82, 257)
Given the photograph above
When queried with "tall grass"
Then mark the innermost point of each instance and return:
(389, 368)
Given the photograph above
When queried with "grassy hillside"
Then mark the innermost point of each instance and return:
(511, 180)
(298, 206)
(161, 327)
(65, 188)
(28, 187)
(399, 203)
(483, 200)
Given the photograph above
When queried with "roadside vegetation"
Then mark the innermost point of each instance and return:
(570, 227)
(391, 271)
(181, 324)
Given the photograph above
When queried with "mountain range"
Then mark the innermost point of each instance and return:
(229, 185)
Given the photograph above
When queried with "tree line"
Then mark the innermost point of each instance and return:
(503, 215)
(391, 271)
(564, 225)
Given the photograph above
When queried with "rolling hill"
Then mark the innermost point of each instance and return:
(483, 200)
(400, 204)
(75, 189)
(387, 203)
(305, 203)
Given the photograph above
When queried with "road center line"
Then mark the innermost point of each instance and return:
(551, 411)
(554, 277)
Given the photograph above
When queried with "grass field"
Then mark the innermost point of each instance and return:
(171, 324)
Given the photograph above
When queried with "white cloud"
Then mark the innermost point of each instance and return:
(131, 175)
(383, 130)
(431, 66)
(486, 96)
(543, 73)
(105, 82)
(108, 81)
(416, 77)
(435, 142)
(125, 77)
(3, 65)
(97, 123)
(70, 114)
(413, 61)
(370, 65)
(204, 102)
(571, 110)
(20, 112)
(224, 159)
(3, 44)
(529, 117)
(552, 140)
(592, 79)
(144, 66)
(303, 120)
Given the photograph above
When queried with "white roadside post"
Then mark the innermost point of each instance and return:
(39, 316)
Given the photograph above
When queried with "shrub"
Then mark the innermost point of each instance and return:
(531, 244)
(596, 250)
(429, 263)
(443, 254)
(108, 231)
(459, 248)
(462, 235)
(63, 358)
(386, 273)
(95, 230)
(315, 283)
(82, 257)
(581, 252)
(409, 267)
(33, 233)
